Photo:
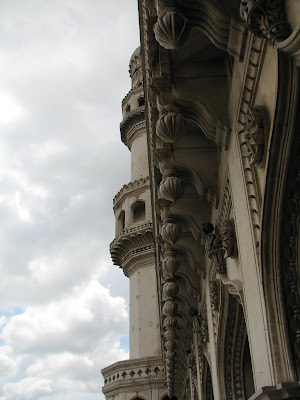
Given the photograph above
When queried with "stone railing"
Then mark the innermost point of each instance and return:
(131, 93)
(134, 372)
(132, 229)
(130, 187)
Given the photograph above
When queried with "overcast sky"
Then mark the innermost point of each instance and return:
(63, 305)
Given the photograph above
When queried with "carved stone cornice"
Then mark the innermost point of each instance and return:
(135, 186)
(131, 242)
(266, 19)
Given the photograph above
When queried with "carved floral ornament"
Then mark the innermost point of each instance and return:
(266, 19)
(214, 248)
(214, 295)
(219, 247)
(254, 133)
(171, 29)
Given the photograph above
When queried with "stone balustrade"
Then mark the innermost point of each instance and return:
(133, 372)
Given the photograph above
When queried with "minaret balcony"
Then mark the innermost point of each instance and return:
(132, 123)
(132, 373)
(132, 242)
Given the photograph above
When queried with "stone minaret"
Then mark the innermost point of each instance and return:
(133, 250)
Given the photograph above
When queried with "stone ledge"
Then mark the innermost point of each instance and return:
(285, 390)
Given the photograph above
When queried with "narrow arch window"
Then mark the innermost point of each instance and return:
(121, 222)
(141, 101)
(138, 211)
(127, 109)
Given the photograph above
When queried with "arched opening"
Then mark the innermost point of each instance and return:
(137, 398)
(141, 102)
(237, 367)
(127, 109)
(138, 211)
(120, 222)
(280, 233)
(166, 397)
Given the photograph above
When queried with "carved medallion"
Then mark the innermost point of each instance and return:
(266, 19)
(254, 135)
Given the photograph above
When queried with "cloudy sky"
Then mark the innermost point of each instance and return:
(63, 305)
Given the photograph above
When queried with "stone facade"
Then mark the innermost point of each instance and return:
(222, 95)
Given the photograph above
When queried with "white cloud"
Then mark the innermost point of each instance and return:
(81, 315)
(28, 389)
(64, 73)
(10, 109)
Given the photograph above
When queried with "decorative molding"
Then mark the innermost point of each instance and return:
(266, 19)
(235, 337)
(256, 47)
(214, 295)
(254, 133)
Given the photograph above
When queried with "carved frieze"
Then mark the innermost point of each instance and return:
(171, 29)
(266, 19)
(254, 135)
(214, 295)
(228, 239)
